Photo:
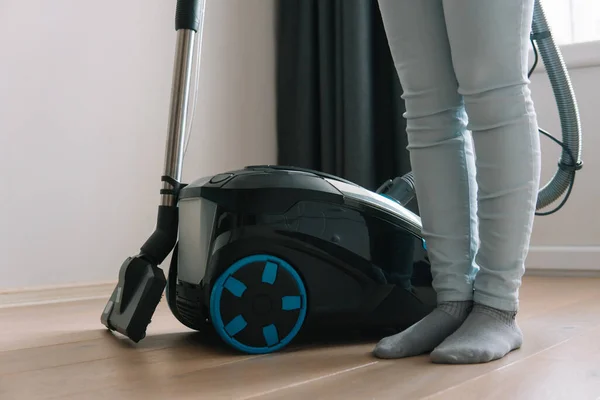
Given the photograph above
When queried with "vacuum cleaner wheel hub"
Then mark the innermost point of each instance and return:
(258, 304)
(262, 304)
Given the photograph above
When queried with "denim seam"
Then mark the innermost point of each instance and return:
(530, 136)
(470, 206)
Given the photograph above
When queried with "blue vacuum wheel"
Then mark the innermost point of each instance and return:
(258, 304)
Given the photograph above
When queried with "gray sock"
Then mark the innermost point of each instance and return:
(426, 334)
(487, 334)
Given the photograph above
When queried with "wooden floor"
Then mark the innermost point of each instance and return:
(60, 351)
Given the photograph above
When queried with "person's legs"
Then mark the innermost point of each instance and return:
(489, 43)
(443, 164)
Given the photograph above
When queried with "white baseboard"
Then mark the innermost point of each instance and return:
(55, 294)
(564, 260)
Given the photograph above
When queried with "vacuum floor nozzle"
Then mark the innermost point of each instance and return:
(133, 302)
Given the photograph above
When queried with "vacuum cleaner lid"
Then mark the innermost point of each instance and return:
(268, 188)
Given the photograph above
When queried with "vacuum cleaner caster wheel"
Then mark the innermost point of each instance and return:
(258, 304)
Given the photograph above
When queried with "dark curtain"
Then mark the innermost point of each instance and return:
(339, 108)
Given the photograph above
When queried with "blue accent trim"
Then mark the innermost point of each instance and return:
(390, 197)
(215, 305)
(236, 325)
(424, 244)
(271, 335)
(291, 303)
(269, 273)
(236, 287)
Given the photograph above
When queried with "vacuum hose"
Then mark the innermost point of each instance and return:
(402, 189)
(570, 160)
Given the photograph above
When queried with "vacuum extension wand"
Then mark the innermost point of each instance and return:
(402, 189)
(141, 281)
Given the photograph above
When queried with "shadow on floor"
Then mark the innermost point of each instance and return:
(209, 342)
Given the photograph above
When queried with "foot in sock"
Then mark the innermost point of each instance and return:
(486, 335)
(426, 334)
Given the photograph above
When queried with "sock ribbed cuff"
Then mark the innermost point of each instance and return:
(457, 309)
(506, 317)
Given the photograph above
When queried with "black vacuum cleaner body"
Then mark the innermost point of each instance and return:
(266, 251)
(262, 253)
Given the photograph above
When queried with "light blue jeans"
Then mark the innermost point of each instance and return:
(473, 139)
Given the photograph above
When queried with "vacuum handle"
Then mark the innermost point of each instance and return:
(141, 283)
(189, 17)
(188, 14)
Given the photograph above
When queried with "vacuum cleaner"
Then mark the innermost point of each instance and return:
(263, 253)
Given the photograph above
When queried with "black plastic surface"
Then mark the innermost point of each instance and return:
(364, 265)
(267, 190)
(271, 168)
(185, 301)
(163, 239)
(220, 178)
(134, 300)
(258, 193)
(187, 15)
(332, 285)
(349, 270)
(260, 305)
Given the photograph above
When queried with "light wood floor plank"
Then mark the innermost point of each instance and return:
(46, 325)
(60, 351)
(569, 370)
(416, 378)
(170, 375)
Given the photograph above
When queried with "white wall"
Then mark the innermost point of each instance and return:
(570, 239)
(84, 96)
